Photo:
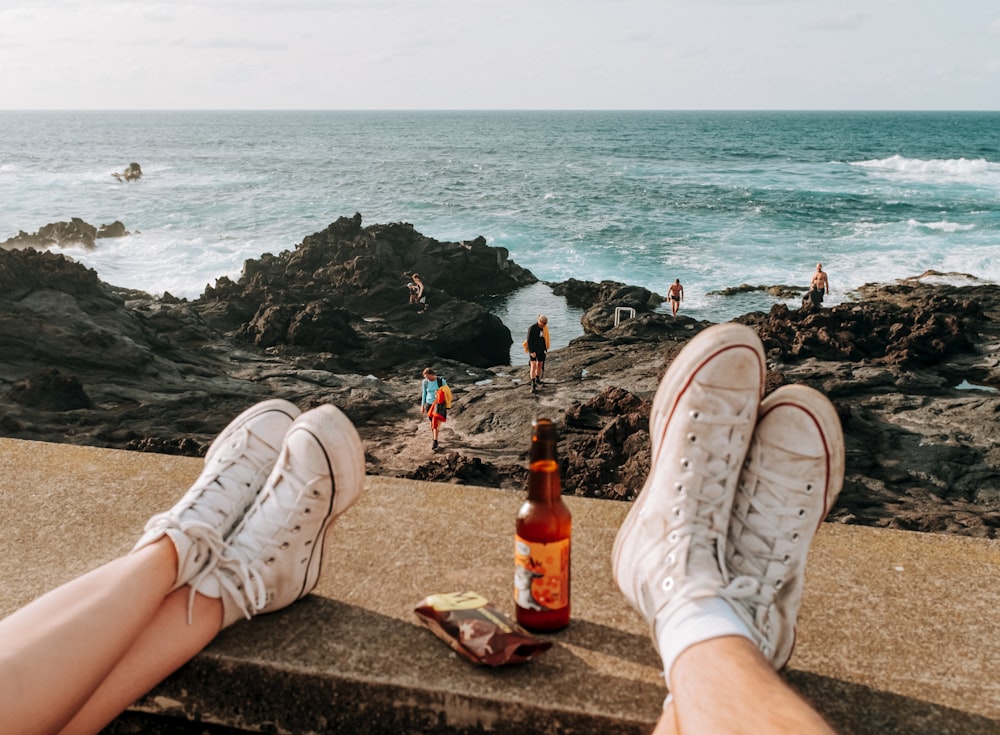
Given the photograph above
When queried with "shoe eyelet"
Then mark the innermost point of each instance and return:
(308, 511)
(786, 560)
(269, 561)
(671, 559)
(678, 512)
(695, 414)
(692, 438)
(296, 529)
(809, 488)
(685, 463)
(802, 513)
(667, 584)
(673, 537)
(284, 545)
(679, 488)
(779, 584)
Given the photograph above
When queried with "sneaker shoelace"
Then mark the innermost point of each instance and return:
(260, 543)
(711, 459)
(770, 517)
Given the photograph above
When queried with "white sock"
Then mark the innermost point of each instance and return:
(699, 620)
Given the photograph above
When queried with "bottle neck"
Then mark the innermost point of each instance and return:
(544, 485)
(543, 465)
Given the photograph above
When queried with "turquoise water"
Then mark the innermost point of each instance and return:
(713, 198)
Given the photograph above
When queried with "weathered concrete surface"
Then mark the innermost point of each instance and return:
(898, 630)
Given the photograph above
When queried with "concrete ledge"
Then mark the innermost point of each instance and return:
(898, 631)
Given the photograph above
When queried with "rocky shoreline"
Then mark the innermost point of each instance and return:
(912, 367)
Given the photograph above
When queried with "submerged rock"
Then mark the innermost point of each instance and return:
(132, 172)
(74, 232)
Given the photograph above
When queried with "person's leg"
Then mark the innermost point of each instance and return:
(725, 686)
(715, 565)
(436, 431)
(165, 644)
(57, 650)
(272, 558)
(667, 555)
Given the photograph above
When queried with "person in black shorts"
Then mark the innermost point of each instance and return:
(537, 345)
(675, 295)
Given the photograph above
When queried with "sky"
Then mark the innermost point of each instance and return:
(500, 54)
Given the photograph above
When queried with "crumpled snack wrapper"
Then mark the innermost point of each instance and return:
(469, 624)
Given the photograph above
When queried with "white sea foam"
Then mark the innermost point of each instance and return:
(917, 169)
(942, 226)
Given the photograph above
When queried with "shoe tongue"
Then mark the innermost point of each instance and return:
(703, 557)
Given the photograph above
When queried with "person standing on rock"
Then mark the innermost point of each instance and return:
(430, 405)
(537, 344)
(417, 293)
(820, 285)
(675, 295)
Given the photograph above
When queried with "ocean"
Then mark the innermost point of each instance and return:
(716, 199)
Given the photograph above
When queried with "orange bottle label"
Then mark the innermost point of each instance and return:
(541, 574)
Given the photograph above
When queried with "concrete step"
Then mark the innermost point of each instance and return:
(898, 631)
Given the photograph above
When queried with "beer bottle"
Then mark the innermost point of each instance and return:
(542, 539)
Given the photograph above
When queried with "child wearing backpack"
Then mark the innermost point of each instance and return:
(435, 400)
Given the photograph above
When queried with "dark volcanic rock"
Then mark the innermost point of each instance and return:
(881, 334)
(132, 172)
(779, 291)
(342, 291)
(74, 232)
(51, 390)
(601, 300)
(912, 370)
(607, 445)
(115, 229)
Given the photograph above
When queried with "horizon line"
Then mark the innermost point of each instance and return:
(501, 109)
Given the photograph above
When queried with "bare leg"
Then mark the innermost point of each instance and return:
(724, 685)
(56, 651)
(166, 644)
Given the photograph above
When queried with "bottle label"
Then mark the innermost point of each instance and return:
(541, 574)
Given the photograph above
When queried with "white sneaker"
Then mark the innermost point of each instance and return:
(669, 550)
(791, 479)
(274, 557)
(236, 465)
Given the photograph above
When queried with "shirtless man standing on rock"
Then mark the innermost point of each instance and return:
(675, 295)
(820, 282)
